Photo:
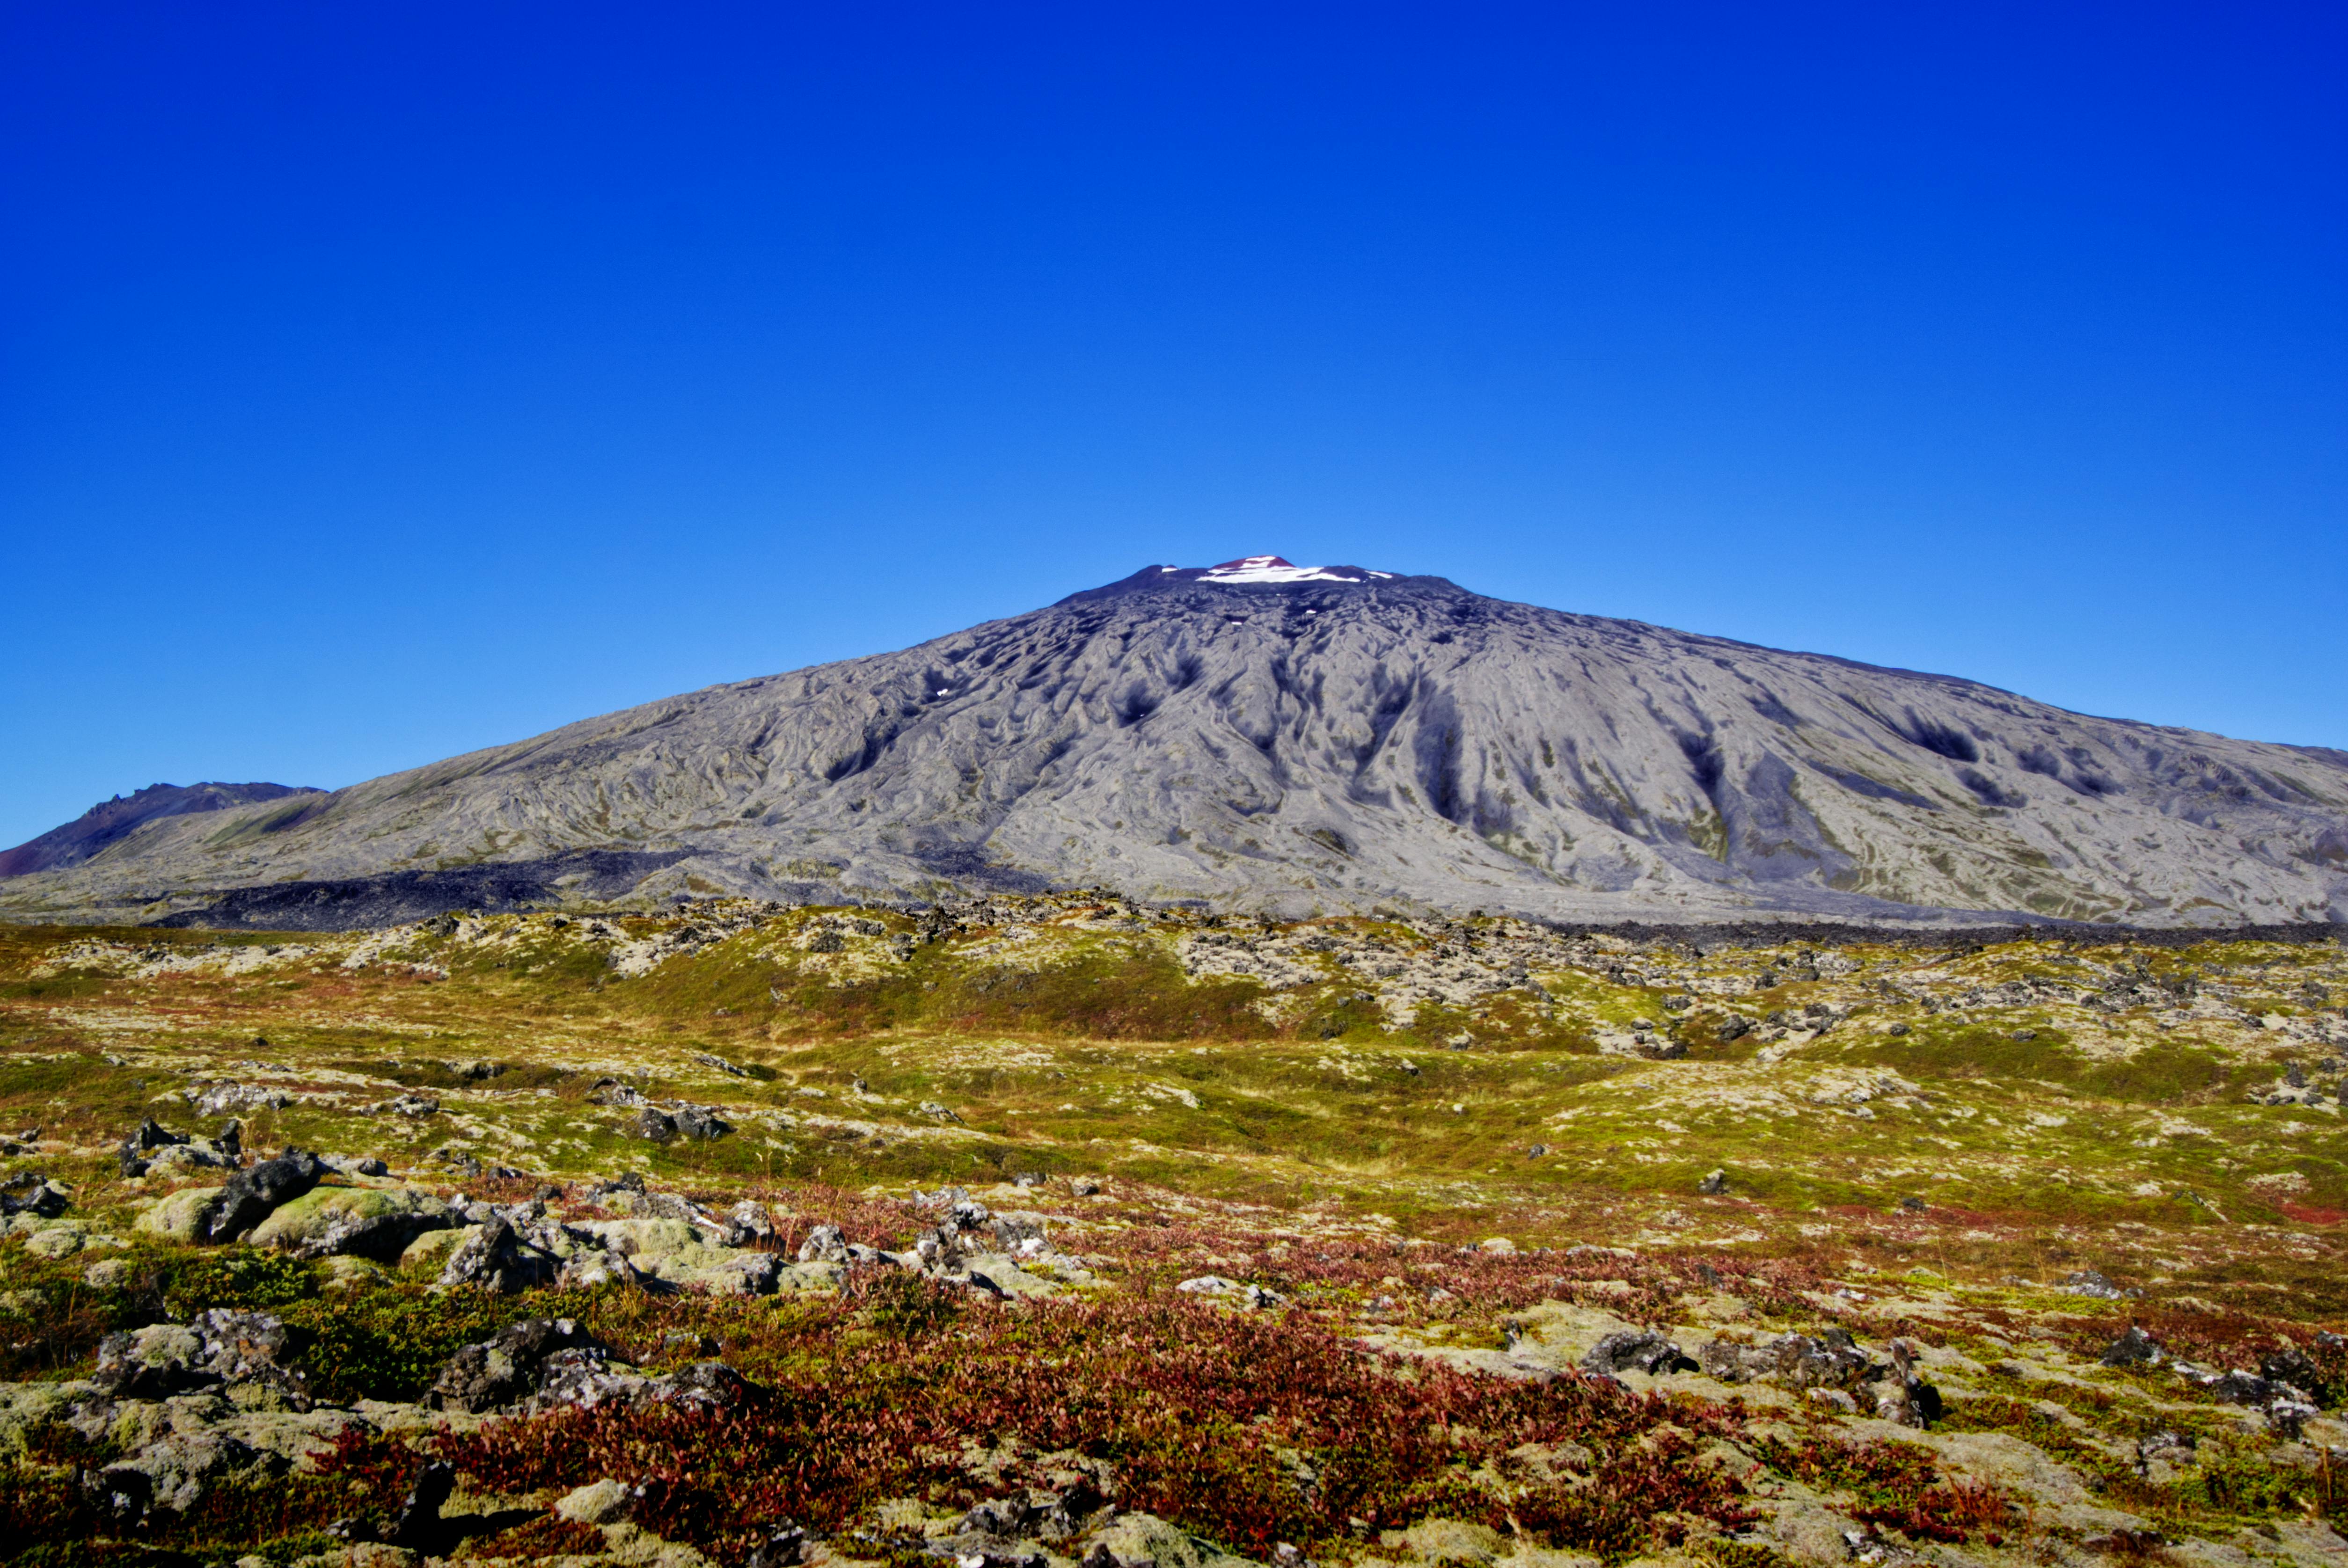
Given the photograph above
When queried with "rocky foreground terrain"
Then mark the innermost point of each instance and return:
(1290, 741)
(1063, 1230)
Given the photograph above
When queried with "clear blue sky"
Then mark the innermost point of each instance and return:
(381, 381)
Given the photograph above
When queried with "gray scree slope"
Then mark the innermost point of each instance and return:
(1288, 739)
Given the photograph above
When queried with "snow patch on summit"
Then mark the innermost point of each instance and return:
(1272, 568)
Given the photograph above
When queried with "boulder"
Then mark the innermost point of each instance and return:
(179, 1217)
(192, 1158)
(701, 1122)
(249, 1195)
(145, 1139)
(507, 1368)
(364, 1221)
(824, 1245)
(599, 1502)
(171, 1474)
(1906, 1398)
(1833, 1360)
(721, 1273)
(429, 1252)
(1000, 1275)
(1231, 1292)
(811, 1278)
(495, 1257)
(1012, 1231)
(39, 1197)
(213, 1350)
(2089, 1282)
(1642, 1351)
(416, 1524)
(56, 1238)
(212, 1100)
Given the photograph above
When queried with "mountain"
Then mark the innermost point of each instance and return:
(109, 823)
(1285, 738)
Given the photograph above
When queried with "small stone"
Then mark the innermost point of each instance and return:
(784, 1545)
(1499, 1246)
(108, 1274)
(1214, 1286)
(1714, 1184)
(2132, 1348)
(749, 1221)
(600, 1503)
(2088, 1282)
(1913, 1205)
(824, 1245)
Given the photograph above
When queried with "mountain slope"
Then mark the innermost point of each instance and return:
(110, 822)
(1287, 738)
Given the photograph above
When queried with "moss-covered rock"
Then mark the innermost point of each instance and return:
(179, 1216)
(362, 1221)
(428, 1252)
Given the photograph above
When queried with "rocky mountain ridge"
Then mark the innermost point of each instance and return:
(110, 822)
(1265, 736)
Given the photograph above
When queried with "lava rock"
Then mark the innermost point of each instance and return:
(1646, 1351)
(2089, 1282)
(784, 1545)
(699, 1122)
(213, 1350)
(39, 1197)
(149, 1136)
(251, 1194)
(416, 1525)
(824, 1245)
(496, 1257)
(509, 1366)
(1906, 1399)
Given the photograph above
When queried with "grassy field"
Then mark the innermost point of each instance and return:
(1455, 1155)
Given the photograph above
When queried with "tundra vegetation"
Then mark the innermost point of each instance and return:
(1062, 1230)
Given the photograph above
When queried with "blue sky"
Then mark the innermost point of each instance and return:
(380, 382)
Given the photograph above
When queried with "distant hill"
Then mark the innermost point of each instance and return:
(1283, 739)
(110, 822)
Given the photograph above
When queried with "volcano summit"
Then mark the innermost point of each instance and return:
(1284, 738)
